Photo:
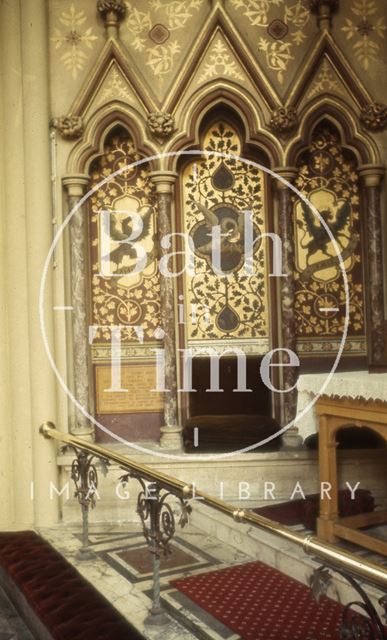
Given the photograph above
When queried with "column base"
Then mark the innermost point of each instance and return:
(171, 438)
(291, 439)
(85, 434)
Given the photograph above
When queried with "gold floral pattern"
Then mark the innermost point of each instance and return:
(325, 81)
(329, 178)
(232, 306)
(171, 17)
(365, 30)
(77, 42)
(123, 298)
(220, 64)
(294, 17)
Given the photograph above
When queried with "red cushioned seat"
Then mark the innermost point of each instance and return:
(68, 607)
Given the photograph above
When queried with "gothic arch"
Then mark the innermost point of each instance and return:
(97, 129)
(340, 114)
(246, 111)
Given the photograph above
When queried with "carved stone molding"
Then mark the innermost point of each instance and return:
(283, 119)
(324, 9)
(161, 125)
(112, 13)
(374, 116)
(70, 127)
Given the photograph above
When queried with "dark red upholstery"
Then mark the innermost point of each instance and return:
(66, 604)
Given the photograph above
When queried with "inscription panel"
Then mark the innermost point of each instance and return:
(139, 380)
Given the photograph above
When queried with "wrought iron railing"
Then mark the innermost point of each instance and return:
(158, 522)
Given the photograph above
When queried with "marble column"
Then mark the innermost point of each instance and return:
(76, 187)
(290, 438)
(171, 431)
(372, 176)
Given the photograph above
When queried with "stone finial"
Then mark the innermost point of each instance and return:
(324, 10)
(112, 13)
(70, 127)
(374, 116)
(283, 119)
(161, 125)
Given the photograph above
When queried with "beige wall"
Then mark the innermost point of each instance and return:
(46, 75)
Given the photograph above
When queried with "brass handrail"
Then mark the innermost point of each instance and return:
(312, 545)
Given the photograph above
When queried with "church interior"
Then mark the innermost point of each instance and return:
(193, 320)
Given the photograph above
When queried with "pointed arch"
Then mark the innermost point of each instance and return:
(344, 119)
(97, 130)
(225, 97)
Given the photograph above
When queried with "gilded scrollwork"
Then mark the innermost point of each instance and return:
(283, 22)
(328, 177)
(123, 297)
(220, 63)
(216, 191)
(374, 116)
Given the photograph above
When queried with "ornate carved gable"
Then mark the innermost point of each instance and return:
(278, 33)
(113, 79)
(326, 81)
(220, 63)
(221, 54)
(159, 36)
(114, 86)
(326, 51)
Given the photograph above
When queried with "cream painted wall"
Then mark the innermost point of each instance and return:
(28, 393)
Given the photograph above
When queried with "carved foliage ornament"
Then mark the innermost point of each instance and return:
(374, 116)
(116, 7)
(70, 127)
(283, 119)
(160, 124)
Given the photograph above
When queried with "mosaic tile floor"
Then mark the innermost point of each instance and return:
(120, 569)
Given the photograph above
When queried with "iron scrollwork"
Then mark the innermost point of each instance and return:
(360, 620)
(159, 526)
(85, 477)
(156, 514)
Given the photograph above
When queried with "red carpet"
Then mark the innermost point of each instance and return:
(260, 603)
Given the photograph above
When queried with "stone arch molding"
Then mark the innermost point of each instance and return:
(98, 128)
(346, 121)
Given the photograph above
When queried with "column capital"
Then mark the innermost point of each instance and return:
(288, 173)
(112, 13)
(372, 174)
(163, 180)
(76, 185)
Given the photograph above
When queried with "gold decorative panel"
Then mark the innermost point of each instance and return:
(328, 177)
(278, 32)
(215, 192)
(123, 298)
